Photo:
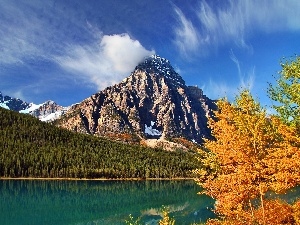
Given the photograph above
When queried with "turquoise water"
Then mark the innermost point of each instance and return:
(60, 202)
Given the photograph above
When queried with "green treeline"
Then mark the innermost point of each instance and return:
(31, 148)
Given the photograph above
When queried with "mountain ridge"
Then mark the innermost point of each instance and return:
(153, 102)
(47, 111)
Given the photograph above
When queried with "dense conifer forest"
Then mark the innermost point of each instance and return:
(31, 148)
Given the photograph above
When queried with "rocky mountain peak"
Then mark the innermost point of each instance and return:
(159, 66)
(47, 111)
(153, 102)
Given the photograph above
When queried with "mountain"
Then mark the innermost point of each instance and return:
(14, 104)
(152, 103)
(47, 111)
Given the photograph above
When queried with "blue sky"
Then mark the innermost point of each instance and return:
(67, 50)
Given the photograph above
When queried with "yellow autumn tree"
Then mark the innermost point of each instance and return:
(251, 153)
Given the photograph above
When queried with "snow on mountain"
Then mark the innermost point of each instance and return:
(31, 108)
(3, 105)
(47, 111)
(14, 104)
(151, 131)
(53, 116)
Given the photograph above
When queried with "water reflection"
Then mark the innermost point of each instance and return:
(99, 202)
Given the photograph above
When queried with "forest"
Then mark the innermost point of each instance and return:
(31, 148)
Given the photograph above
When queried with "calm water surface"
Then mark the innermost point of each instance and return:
(61, 202)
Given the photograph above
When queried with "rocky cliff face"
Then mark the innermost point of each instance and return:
(153, 102)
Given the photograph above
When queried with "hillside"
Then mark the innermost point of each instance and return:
(31, 148)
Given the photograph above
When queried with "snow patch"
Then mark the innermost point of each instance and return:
(151, 131)
(31, 108)
(3, 105)
(52, 116)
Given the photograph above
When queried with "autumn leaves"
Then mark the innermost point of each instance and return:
(254, 153)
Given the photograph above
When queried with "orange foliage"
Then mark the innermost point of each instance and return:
(275, 212)
(224, 222)
(255, 153)
(296, 212)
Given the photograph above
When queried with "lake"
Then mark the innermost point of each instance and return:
(82, 202)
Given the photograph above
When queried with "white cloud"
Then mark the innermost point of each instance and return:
(235, 60)
(270, 16)
(221, 25)
(234, 21)
(15, 38)
(36, 37)
(32, 30)
(219, 89)
(246, 81)
(186, 34)
(123, 52)
(106, 63)
(223, 88)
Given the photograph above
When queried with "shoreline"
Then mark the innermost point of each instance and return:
(93, 179)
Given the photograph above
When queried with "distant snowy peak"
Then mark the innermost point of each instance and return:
(47, 111)
(14, 104)
(32, 107)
